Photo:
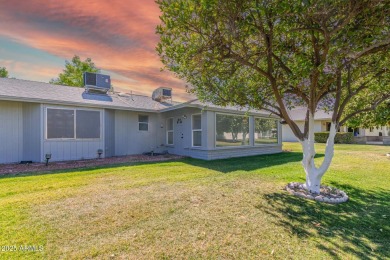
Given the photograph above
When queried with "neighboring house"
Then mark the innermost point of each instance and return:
(70, 124)
(375, 131)
(322, 122)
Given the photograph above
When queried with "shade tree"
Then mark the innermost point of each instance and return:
(277, 54)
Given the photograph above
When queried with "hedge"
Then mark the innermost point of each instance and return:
(341, 138)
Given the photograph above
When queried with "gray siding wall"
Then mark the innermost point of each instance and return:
(129, 140)
(32, 129)
(72, 149)
(109, 133)
(182, 130)
(23, 135)
(11, 132)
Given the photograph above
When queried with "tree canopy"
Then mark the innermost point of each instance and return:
(3, 72)
(72, 75)
(274, 54)
(378, 117)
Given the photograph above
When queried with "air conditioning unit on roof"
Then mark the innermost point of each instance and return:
(97, 82)
(162, 94)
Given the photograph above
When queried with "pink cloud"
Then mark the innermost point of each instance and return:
(32, 71)
(118, 35)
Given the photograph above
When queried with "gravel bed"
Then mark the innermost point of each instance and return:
(15, 168)
(327, 194)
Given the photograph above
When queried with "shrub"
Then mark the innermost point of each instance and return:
(341, 138)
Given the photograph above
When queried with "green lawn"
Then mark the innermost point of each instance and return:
(234, 208)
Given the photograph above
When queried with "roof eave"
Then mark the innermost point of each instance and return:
(56, 102)
(222, 110)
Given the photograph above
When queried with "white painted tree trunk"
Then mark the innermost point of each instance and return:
(314, 174)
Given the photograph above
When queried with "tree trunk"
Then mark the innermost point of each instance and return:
(314, 174)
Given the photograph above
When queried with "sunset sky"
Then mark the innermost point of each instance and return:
(37, 36)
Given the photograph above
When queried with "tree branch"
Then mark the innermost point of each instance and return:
(354, 93)
(338, 97)
(298, 92)
(307, 29)
(282, 64)
(368, 109)
(346, 20)
(369, 50)
(247, 63)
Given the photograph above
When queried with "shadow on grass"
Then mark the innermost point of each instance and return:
(360, 227)
(83, 169)
(249, 163)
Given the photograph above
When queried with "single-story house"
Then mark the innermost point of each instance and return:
(70, 123)
(322, 120)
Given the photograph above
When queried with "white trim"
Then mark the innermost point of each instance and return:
(197, 130)
(74, 126)
(215, 131)
(221, 110)
(168, 131)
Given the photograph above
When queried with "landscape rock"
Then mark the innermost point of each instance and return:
(327, 194)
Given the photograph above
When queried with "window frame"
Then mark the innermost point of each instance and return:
(147, 123)
(169, 131)
(230, 147)
(254, 130)
(74, 124)
(196, 130)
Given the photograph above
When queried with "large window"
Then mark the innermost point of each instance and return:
(196, 130)
(72, 124)
(170, 131)
(87, 124)
(232, 130)
(266, 131)
(60, 123)
(143, 123)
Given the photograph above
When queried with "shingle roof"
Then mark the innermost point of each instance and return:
(299, 114)
(32, 91)
(16, 89)
(211, 106)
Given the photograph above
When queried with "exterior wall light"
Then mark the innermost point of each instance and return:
(100, 152)
(48, 157)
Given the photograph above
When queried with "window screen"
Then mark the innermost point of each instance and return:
(197, 138)
(170, 131)
(266, 131)
(170, 138)
(60, 123)
(232, 130)
(196, 122)
(196, 130)
(143, 123)
(87, 124)
(170, 124)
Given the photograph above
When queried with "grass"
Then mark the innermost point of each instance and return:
(266, 140)
(233, 208)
